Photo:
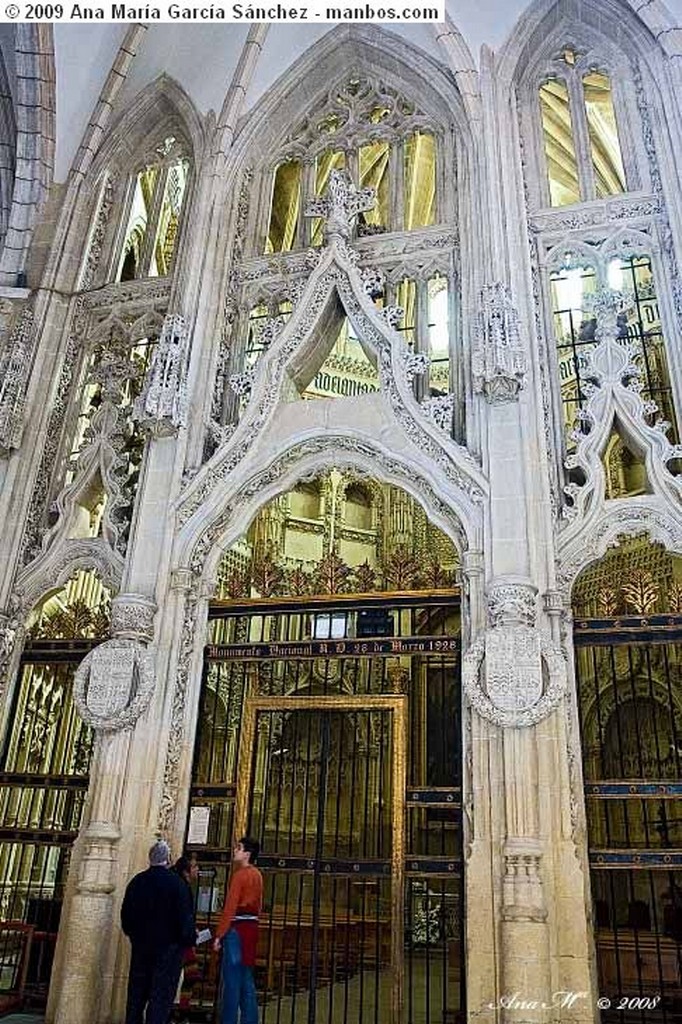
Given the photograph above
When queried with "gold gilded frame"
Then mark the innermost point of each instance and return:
(395, 704)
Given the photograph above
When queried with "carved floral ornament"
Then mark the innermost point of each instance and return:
(114, 685)
(514, 675)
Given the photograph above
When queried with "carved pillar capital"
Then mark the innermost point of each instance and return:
(473, 564)
(132, 617)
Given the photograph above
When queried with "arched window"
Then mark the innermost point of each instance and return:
(381, 139)
(154, 208)
(640, 321)
(581, 142)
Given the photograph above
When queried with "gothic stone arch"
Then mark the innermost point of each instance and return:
(213, 527)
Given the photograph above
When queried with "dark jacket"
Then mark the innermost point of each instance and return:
(157, 910)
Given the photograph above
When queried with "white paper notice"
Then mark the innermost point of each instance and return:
(197, 833)
(203, 936)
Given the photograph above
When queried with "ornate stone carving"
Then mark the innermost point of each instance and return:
(510, 602)
(163, 400)
(498, 360)
(341, 205)
(414, 363)
(132, 617)
(619, 208)
(613, 389)
(514, 675)
(15, 368)
(439, 409)
(114, 684)
(10, 633)
(395, 362)
(392, 315)
(242, 383)
(98, 235)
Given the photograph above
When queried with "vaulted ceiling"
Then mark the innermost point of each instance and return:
(202, 58)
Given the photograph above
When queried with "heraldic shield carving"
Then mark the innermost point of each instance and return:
(514, 675)
(114, 685)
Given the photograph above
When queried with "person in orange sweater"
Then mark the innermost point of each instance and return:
(237, 934)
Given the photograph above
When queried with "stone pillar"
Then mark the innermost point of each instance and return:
(112, 688)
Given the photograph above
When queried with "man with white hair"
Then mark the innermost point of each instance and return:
(158, 918)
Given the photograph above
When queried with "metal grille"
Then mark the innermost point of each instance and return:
(43, 783)
(331, 730)
(630, 700)
(575, 337)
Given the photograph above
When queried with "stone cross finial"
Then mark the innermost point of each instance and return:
(341, 205)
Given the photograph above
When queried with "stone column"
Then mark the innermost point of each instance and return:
(112, 688)
(514, 677)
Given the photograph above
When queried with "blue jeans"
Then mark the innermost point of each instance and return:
(239, 987)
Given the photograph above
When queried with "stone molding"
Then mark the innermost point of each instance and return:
(285, 360)
(114, 685)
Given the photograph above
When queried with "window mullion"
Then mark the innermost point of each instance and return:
(305, 224)
(401, 220)
(455, 356)
(153, 222)
(421, 334)
(122, 230)
(397, 187)
(353, 165)
(583, 151)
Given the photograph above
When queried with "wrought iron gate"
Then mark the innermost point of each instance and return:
(43, 782)
(330, 729)
(629, 676)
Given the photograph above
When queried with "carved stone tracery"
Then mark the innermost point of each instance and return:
(15, 368)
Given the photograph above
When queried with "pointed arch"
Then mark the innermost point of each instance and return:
(649, 515)
(349, 49)
(635, 28)
(160, 108)
(147, 165)
(294, 352)
(204, 538)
